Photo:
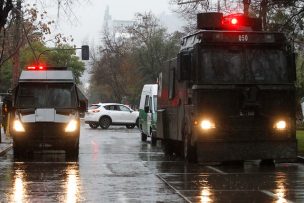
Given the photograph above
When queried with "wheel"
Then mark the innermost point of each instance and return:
(72, 152)
(153, 139)
(143, 137)
(17, 150)
(168, 147)
(130, 126)
(267, 163)
(105, 122)
(189, 150)
(93, 125)
(21, 153)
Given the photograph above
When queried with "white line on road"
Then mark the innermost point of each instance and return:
(217, 170)
(279, 198)
(175, 190)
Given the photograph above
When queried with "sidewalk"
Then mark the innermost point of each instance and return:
(5, 144)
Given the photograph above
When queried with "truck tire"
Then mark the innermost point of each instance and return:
(153, 139)
(104, 122)
(72, 152)
(17, 152)
(21, 152)
(189, 150)
(168, 147)
(130, 126)
(143, 137)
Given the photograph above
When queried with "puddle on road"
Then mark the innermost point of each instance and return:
(45, 177)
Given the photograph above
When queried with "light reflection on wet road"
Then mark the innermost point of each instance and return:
(115, 166)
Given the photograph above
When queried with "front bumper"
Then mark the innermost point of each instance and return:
(232, 151)
(46, 136)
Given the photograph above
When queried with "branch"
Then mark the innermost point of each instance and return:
(4, 13)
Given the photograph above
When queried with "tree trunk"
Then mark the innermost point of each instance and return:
(263, 13)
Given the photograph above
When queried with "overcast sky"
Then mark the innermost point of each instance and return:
(86, 25)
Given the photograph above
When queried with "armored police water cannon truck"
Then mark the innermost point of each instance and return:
(46, 111)
(229, 94)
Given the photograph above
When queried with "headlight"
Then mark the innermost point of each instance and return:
(207, 124)
(280, 125)
(17, 126)
(71, 127)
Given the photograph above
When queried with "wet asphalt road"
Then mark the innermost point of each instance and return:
(115, 166)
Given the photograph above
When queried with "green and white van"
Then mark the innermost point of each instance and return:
(148, 112)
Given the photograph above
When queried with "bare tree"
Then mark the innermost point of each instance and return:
(33, 25)
(264, 9)
(113, 69)
(125, 62)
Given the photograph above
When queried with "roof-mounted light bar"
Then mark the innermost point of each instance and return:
(238, 22)
(35, 68)
(44, 68)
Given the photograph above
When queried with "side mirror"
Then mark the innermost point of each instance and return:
(147, 109)
(82, 106)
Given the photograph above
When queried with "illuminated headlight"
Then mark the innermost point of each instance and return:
(71, 127)
(207, 124)
(280, 125)
(17, 126)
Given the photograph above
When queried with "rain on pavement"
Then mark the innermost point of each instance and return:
(115, 166)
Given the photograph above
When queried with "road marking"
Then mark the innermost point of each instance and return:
(279, 198)
(173, 188)
(217, 170)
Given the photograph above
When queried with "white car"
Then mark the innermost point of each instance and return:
(106, 114)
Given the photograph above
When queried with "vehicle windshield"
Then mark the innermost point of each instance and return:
(243, 65)
(46, 96)
(94, 106)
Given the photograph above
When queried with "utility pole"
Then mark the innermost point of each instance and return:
(17, 41)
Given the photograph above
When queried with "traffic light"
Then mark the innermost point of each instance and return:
(85, 53)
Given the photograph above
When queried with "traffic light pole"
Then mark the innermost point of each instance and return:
(84, 52)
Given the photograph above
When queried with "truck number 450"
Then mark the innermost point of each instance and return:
(243, 38)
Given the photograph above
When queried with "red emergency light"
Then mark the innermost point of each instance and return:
(237, 22)
(35, 68)
(233, 20)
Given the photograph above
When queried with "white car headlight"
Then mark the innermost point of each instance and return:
(280, 125)
(207, 124)
(72, 126)
(17, 126)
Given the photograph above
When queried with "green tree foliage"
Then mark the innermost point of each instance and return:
(66, 58)
(5, 76)
(153, 46)
(125, 63)
(113, 70)
(55, 58)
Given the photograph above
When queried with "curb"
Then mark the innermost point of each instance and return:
(10, 146)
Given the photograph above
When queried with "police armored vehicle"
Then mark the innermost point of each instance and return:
(46, 111)
(230, 94)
